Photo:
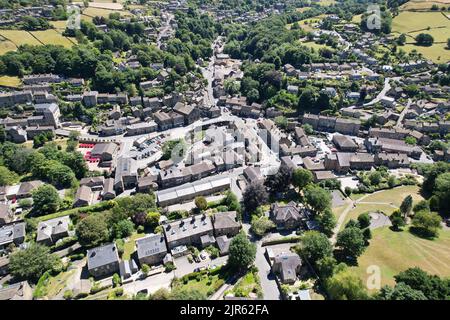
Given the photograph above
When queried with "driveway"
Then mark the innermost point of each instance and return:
(151, 284)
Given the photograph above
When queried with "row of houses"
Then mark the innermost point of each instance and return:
(332, 124)
(200, 230)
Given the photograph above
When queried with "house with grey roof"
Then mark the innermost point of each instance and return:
(286, 266)
(126, 175)
(188, 231)
(151, 249)
(103, 260)
(223, 243)
(17, 291)
(12, 233)
(286, 217)
(83, 197)
(108, 192)
(50, 231)
(226, 223)
(6, 214)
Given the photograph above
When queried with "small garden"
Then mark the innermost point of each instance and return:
(205, 282)
(248, 286)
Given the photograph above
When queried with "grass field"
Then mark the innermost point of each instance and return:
(433, 23)
(423, 5)
(306, 23)
(53, 37)
(91, 12)
(10, 81)
(386, 201)
(394, 252)
(357, 19)
(59, 25)
(315, 46)
(16, 38)
(19, 37)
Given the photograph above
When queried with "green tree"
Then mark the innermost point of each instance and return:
(401, 291)
(351, 242)
(433, 287)
(346, 285)
(364, 220)
(397, 220)
(406, 205)
(7, 177)
(326, 221)
(317, 198)
(32, 262)
(45, 200)
(424, 39)
(254, 196)
(442, 191)
(242, 252)
(201, 203)
(153, 218)
(123, 229)
(261, 225)
(325, 267)
(301, 178)
(427, 223)
(401, 40)
(92, 230)
(411, 141)
(315, 246)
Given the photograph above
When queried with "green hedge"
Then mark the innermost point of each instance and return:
(282, 240)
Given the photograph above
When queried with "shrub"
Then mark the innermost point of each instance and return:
(68, 295)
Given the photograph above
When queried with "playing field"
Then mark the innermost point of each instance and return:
(433, 23)
(393, 252)
(14, 38)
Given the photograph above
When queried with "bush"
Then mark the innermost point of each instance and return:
(213, 251)
(145, 269)
(68, 295)
(116, 280)
(364, 220)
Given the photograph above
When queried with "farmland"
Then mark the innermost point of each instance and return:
(433, 23)
(11, 39)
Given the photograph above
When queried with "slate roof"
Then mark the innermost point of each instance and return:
(101, 256)
(151, 245)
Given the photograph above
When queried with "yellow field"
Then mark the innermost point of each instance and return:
(407, 22)
(306, 23)
(423, 5)
(315, 46)
(19, 37)
(6, 45)
(59, 25)
(357, 19)
(433, 23)
(394, 252)
(91, 12)
(53, 37)
(10, 81)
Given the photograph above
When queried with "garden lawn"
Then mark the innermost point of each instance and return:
(249, 283)
(207, 285)
(394, 252)
(129, 246)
